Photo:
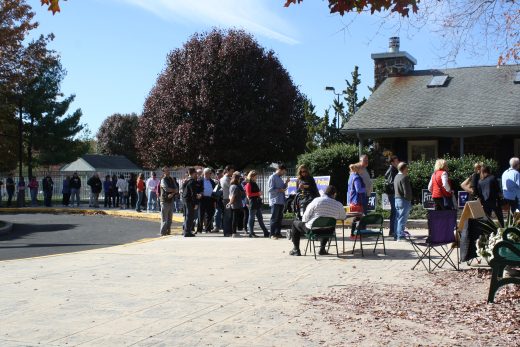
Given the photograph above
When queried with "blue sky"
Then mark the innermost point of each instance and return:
(113, 50)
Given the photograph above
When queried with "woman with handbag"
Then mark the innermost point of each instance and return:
(440, 186)
(254, 195)
(356, 192)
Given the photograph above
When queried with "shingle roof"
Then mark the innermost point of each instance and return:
(112, 162)
(474, 100)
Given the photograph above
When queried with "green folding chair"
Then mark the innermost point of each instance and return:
(322, 228)
(362, 231)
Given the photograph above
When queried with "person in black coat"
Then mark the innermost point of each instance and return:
(306, 187)
(48, 189)
(489, 194)
(390, 174)
(191, 197)
(95, 188)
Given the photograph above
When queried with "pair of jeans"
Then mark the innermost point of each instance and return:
(177, 204)
(393, 214)
(139, 201)
(152, 201)
(237, 215)
(34, 195)
(66, 199)
(260, 218)
(47, 198)
(10, 194)
(403, 208)
(206, 212)
(276, 219)
(189, 217)
(74, 194)
(166, 217)
(108, 200)
(513, 204)
(123, 199)
(218, 221)
(94, 200)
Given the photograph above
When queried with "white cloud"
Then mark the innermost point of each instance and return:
(250, 15)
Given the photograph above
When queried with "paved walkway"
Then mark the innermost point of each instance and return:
(204, 291)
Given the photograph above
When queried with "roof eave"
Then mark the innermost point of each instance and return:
(435, 131)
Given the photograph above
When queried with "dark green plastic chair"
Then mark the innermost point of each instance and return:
(374, 220)
(322, 228)
(505, 253)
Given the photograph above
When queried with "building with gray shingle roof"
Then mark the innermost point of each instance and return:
(104, 163)
(430, 113)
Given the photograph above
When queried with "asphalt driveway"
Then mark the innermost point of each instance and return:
(45, 234)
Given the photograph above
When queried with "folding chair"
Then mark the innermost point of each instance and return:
(322, 228)
(363, 232)
(437, 247)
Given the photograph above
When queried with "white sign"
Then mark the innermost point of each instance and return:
(385, 202)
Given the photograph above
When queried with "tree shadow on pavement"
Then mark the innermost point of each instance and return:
(21, 230)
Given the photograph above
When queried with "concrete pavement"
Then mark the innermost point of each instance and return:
(203, 291)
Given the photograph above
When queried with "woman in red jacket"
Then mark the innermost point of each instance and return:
(254, 195)
(440, 186)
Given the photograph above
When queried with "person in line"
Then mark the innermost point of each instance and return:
(33, 190)
(75, 186)
(511, 184)
(151, 192)
(132, 190)
(176, 198)
(65, 191)
(470, 185)
(48, 189)
(219, 203)
(236, 202)
(306, 186)
(96, 186)
(325, 206)
(190, 197)
(488, 192)
(254, 196)
(225, 183)
(1, 185)
(107, 190)
(10, 187)
(365, 175)
(158, 194)
(356, 191)
(403, 200)
(390, 174)
(207, 202)
(20, 198)
(244, 221)
(115, 192)
(140, 187)
(122, 189)
(168, 191)
(440, 186)
(277, 188)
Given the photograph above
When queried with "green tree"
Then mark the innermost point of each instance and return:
(351, 97)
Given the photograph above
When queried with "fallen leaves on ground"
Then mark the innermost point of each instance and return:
(450, 311)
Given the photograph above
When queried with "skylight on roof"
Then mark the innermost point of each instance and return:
(517, 78)
(438, 81)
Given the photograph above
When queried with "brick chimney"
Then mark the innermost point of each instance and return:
(392, 63)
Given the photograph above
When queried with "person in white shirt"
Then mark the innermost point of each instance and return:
(151, 191)
(122, 189)
(325, 206)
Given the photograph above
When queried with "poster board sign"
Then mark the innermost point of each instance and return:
(321, 181)
(372, 201)
(427, 199)
(385, 202)
(463, 198)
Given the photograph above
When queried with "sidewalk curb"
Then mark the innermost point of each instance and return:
(7, 228)
(156, 217)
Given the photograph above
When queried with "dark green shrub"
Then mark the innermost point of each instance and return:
(333, 161)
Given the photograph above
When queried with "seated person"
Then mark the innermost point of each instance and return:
(325, 206)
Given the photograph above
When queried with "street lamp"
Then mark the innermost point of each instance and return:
(333, 90)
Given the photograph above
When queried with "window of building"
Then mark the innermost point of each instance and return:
(517, 148)
(422, 150)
